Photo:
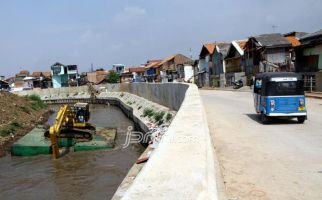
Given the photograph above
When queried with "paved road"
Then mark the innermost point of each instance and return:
(279, 161)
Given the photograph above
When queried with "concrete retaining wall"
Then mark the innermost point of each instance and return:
(166, 94)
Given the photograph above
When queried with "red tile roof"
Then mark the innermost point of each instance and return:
(24, 72)
(293, 40)
(242, 44)
(210, 47)
(136, 69)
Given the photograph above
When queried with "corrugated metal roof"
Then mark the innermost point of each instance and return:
(223, 48)
(311, 35)
(271, 40)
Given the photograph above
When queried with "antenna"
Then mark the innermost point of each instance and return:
(274, 28)
(190, 53)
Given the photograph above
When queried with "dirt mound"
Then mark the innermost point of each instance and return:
(18, 115)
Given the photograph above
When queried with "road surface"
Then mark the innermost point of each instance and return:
(278, 161)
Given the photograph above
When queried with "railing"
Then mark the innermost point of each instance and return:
(309, 83)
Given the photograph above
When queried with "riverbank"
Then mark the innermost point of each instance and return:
(18, 116)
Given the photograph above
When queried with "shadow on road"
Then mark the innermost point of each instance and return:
(275, 121)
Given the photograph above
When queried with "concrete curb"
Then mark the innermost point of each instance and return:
(315, 96)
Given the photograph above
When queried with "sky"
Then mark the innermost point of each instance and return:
(35, 34)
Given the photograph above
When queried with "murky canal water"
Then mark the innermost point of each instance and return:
(81, 175)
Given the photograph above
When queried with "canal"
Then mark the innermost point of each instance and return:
(81, 175)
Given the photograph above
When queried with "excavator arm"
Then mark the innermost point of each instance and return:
(73, 119)
(61, 119)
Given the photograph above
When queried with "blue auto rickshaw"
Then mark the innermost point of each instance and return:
(279, 94)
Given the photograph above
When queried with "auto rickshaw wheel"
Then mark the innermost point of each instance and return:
(301, 120)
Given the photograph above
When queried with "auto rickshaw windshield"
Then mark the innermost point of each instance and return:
(285, 88)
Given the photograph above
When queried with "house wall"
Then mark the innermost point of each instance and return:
(233, 65)
(91, 77)
(56, 81)
(276, 55)
(315, 51)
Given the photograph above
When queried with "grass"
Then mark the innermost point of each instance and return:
(36, 102)
(10, 129)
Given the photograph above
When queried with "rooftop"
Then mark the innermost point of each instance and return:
(272, 40)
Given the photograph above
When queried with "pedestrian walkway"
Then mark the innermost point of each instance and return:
(317, 95)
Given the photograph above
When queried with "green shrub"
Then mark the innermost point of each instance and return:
(36, 102)
(158, 116)
(13, 126)
(168, 117)
(5, 132)
(148, 112)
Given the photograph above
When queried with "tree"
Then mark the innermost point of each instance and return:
(113, 77)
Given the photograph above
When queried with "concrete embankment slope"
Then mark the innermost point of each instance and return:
(182, 167)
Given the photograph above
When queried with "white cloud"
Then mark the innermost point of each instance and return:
(130, 14)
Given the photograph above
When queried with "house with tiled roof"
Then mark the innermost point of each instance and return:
(309, 60)
(152, 69)
(211, 64)
(235, 62)
(267, 53)
(133, 74)
(19, 79)
(172, 67)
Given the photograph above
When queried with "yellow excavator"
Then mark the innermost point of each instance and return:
(71, 122)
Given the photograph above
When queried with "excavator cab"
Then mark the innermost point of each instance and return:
(81, 114)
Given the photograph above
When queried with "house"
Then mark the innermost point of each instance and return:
(152, 70)
(97, 77)
(118, 68)
(212, 65)
(294, 39)
(11, 81)
(309, 60)
(138, 73)
(205, 64)
(133, 74)
(235, 62)
(64, 75)
(172, 68)
(4, 85)
(41, 79)
(267, 53)
(19, 79)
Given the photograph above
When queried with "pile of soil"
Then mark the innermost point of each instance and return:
(18, 116)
